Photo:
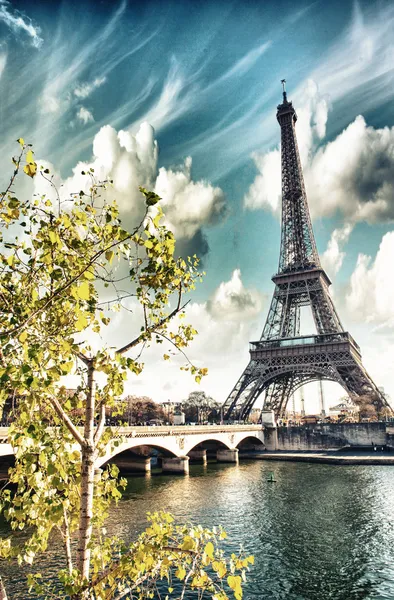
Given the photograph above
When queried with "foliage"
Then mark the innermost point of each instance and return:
(56, 257)
(138, 410)
(199, 408)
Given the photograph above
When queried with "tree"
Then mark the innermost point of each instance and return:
(367, 407)
(56, 255)
(199, 407)
(138, 410)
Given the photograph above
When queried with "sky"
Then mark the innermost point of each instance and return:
(181, 98)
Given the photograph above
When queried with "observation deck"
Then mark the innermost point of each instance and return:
(311, 344)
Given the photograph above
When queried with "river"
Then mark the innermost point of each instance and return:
(319, 532)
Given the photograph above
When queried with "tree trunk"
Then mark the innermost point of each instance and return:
(3, 593)
(87, 480)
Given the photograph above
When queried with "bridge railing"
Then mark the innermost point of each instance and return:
(164, 430)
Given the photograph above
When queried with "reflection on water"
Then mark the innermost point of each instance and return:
(320, 532)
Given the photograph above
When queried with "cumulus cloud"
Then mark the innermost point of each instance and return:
(333, 256)
(355, 174)
(84, 115)
(3, 61)
(131, 160)
(371, 293)
(265, 191)
(225, 324)
(20, 23)
(188, 204)
(233, 302)
(84, 90)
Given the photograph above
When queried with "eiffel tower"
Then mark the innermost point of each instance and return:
(282, 360)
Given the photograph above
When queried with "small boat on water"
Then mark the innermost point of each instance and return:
(271, 477)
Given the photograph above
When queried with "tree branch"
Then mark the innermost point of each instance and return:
(101, 425)
(151, 329)
(67, 421)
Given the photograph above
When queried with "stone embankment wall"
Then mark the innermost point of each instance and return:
(326, 436)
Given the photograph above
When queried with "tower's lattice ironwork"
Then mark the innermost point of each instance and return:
(282, 360)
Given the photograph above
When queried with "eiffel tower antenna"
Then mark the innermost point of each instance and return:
(282, 360)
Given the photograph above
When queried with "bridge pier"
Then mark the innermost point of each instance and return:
(140, 464)
(130, 462)
(199, 456)
(179, 465)
(228, 455)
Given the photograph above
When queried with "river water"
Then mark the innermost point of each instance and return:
(319, 532)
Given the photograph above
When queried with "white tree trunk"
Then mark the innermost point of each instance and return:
(87, 480)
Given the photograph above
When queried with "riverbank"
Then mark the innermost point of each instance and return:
(333, 457)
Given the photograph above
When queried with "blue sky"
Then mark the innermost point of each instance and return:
(206, 77)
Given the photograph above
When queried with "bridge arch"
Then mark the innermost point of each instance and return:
(166, 446)
(202, 444)
(251, 441)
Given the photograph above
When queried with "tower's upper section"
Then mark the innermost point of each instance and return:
(298, 247)
(286, 111)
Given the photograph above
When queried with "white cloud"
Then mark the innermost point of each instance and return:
(332, 258)
(225, 324)
(371, 294)
(233, 302)
(84, 115)
(355, 174)
(188, 204)
(360, 62)
(244, 64)
(3, 62)
(20, 23)
(84, 90)
(175, 99)
(265, 191)
(132, 161)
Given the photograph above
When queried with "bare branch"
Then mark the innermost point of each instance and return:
(151, 329)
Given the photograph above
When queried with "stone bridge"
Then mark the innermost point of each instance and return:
(177, 445)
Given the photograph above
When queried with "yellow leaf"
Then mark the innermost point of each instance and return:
(220, 568)
(84, 291)
(23, 337)
(180, 573)
(209, 549)
(81, 323)
(89, 274)
(21, 141)
(29, 157)
(30, 169)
